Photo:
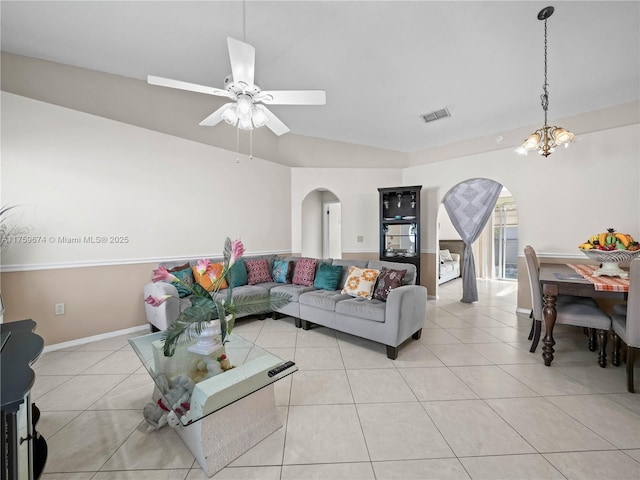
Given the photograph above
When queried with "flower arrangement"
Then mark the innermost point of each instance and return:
(208, 305)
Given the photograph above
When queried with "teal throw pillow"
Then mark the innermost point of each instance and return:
(282, 270)
(185, 275)
(328, 277)
(237, 275)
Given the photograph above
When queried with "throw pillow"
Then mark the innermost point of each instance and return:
(282, 271)
(445, 256)
(183, 272)
(258, 271)
(360, 282)
(305, 272)
(238, 274)
(387, 281)
(328, 277)
(212, 277)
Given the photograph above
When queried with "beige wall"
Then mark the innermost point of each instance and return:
(97, 300)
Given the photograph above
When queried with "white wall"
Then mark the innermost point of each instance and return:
(77, 175)
(562, 199)
(357, 190)
(447, 230)
(312, 225)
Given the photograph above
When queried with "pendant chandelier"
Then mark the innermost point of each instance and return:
(547, 138)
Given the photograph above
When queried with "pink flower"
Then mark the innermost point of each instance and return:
(156, 301)
(161, 274)
(202, 266)
(237, 250)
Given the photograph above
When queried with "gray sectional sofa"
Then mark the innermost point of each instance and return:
(389, 322)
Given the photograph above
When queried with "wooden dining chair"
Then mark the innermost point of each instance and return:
(536, 322)
(626, 323)
(569, 312)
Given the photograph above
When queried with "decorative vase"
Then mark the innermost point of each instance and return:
(209, 340)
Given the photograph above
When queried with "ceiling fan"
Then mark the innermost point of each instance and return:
(246, 109)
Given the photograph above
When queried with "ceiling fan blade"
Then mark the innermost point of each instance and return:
(215, 117)
(293, 97)
(191, 87)
(243, 60)
(274, 123)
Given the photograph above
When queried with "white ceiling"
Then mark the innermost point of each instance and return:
(381, 63)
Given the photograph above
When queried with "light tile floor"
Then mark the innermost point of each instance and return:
(467, 400)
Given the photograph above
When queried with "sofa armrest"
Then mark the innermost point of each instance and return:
(406, 309)
(456, 257)
(164, 315)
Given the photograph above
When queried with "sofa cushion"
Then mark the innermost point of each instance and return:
(243, 292)
(258, 271)
(238, 273)
(445, 256)
(447, 267)
(323, 299)
(282, 271)
(328, 277)
(185, 275)
(305, 271)
(409, 277)
(345, 264)
(293, 290)
(211, 278)
(387, 281)
(360, 282)
(360, 307)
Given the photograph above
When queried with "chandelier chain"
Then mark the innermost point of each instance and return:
(545, 95)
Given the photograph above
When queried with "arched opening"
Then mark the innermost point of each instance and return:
(495, 250)
(321, 225)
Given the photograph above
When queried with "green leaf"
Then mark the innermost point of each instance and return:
(200, 291)
(256, 304)
(227, 252)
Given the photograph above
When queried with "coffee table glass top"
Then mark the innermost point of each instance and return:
(193, 386)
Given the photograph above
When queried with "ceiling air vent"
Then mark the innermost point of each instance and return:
(437, 115)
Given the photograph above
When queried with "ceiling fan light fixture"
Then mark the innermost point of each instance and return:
(230, 115)
(245, 124)
(258, 116)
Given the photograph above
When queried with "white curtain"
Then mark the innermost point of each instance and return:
(469, 205)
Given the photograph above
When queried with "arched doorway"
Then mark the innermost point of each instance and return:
(494, 244)
(321, 225)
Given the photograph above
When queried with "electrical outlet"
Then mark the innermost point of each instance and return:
(59, 308)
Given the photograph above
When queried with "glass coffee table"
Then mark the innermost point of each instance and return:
(219, 414)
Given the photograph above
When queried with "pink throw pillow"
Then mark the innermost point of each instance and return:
(257, 271)
(305, 272)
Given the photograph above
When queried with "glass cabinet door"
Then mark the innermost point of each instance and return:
(400, 240)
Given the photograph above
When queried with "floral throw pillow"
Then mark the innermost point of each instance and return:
(360, 282)
(387, 281)
(305, 272)
(212, 278)
(257, 271)
(184, 274)
(282, 271)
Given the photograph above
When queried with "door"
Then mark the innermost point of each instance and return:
(332, 230)
(505, 239)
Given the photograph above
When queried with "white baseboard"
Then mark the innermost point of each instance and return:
(524, 311)
(94, 338)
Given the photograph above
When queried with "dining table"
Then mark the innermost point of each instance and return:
(573, 279)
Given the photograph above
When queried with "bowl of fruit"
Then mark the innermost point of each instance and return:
(611, 248)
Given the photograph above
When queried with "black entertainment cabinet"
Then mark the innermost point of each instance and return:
(400, 225)
(24, 450)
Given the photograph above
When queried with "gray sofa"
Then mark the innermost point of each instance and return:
(390, 323)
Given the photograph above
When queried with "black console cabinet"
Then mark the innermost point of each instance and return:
(24, 450)
(400, 225)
